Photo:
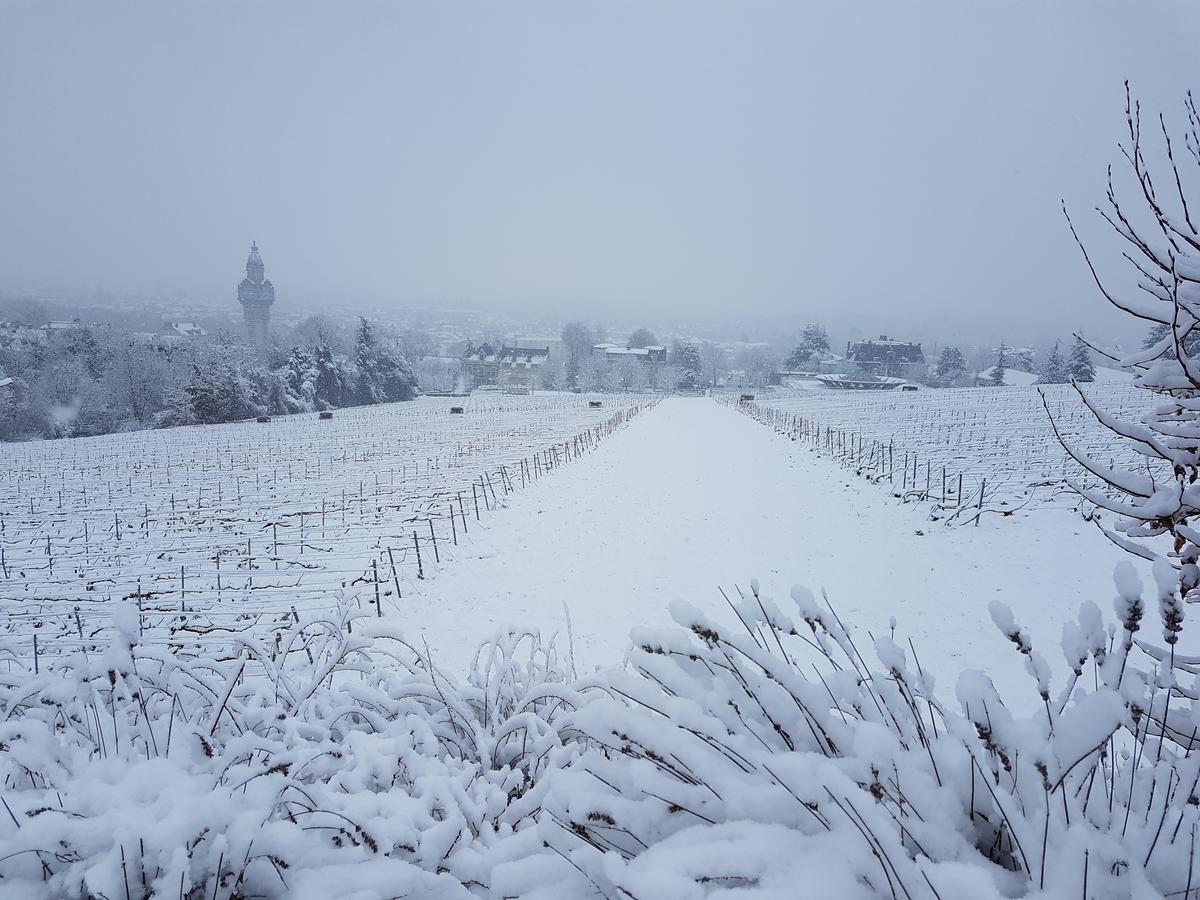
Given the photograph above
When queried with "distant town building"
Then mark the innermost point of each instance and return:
(256, 294)
(65, 326)
(617, 352)
(512, 368)
(887, 358)
(481, 364)
(552, 345)
(182, 329)
(520, 368)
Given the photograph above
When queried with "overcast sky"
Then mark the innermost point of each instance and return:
(868, 161)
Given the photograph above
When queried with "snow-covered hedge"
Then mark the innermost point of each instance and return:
(786, 753)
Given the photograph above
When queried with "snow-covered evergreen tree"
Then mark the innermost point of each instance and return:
(400, 381)
(996, 377)
(270, 392)
(217, 393)
(814, 341)
(1079, 364)
(368, 365)
(951, 365)
(1055, 371)
(685, 357)
(383, 375)
(332, 382)
(300, 377)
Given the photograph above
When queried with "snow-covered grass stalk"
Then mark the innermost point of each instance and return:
(783, 752)
(331, 763)
(785, 749)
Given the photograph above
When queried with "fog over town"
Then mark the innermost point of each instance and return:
(746, 166)
(622, 450)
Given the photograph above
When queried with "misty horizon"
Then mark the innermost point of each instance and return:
(872, 168)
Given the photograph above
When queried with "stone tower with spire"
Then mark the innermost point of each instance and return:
(256, 294)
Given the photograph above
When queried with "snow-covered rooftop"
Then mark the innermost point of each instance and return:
(184, 329)
(885, 350)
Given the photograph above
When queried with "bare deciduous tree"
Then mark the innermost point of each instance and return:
(1157, 506)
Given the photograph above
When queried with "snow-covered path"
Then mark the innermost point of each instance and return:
(693, 495)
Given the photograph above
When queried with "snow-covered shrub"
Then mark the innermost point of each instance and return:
(781, 752)
(777, 759)
(323, 764)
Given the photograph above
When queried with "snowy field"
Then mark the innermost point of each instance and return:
(225, 531)
(438, 523)
(948, 446)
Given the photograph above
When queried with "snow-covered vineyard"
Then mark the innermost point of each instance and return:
(963, 450)
(224, 532)
(291, 732)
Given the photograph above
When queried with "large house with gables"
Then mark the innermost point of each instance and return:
(887, 358)
(516, 369)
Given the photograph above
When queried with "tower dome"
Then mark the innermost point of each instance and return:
(254, 265)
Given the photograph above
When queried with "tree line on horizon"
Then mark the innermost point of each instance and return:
(84, 381)
(689, 365)
(952, 369)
